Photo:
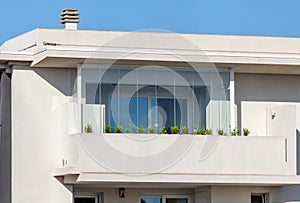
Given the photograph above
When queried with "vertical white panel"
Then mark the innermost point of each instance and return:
(93, 114)
(79, 99)
(232, 99)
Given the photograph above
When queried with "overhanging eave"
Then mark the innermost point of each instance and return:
(72, 176)
(241, 63)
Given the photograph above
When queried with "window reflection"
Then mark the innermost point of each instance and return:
(159, 97)
(151, 200)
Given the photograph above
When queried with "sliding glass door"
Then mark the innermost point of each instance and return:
(128, 112)
(158, 97)
(162, 112)
(168, 112)
(166, 199)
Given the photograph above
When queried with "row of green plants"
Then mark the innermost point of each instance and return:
(173, 130)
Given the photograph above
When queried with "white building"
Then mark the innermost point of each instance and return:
(60, 88)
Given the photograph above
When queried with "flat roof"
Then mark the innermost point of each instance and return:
(62, 48)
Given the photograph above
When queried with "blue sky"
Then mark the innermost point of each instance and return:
(237, 17)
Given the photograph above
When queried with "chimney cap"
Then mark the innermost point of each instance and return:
(69, 18)
(69, 9)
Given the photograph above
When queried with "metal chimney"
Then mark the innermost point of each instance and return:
(69, 18)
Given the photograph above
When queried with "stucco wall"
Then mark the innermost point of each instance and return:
(198, 154)
(255, 93)
(236, 194)
(38, 128)
(36, 151)
(203, 194)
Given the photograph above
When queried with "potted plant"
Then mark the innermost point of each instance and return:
(235, 132)
(140, 129)
(151, 129)
(220, 132)
(208, 131)
(175, 129)
(197, 130)
(88, 128)
(185, 130)
(246, 131)
(118, 129)
(200, 131)
(128, 129)
(107, 129)
(163, 131)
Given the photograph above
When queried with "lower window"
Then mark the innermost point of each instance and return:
(176, 200)
(151, 200)
(166, 199)
(86, 199)
(259, 198)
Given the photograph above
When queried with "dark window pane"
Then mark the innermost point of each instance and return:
(85, 200)
(257, 199)
(176, 200)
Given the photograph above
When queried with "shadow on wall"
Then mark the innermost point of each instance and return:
(290, 194)
(61, 78)
(5, 138)
(265, 88)
(298, 151)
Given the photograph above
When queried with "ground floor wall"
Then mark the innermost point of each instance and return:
(132, 195)
(201, 194)
(242, 194)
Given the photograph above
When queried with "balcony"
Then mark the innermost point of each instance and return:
(180, 154)
(190, 157)
(91, 154)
